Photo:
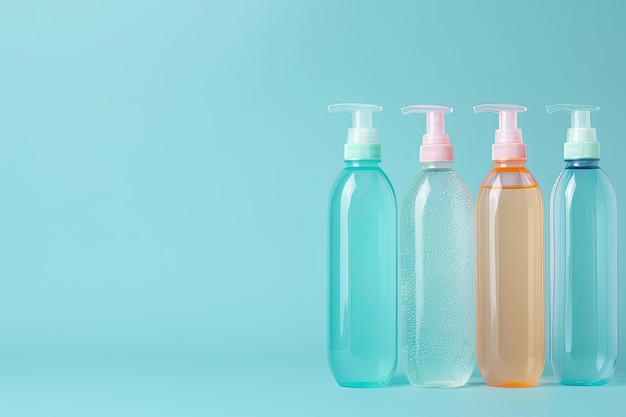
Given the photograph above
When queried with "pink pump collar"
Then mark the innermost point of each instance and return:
(436, 145)
(508, 145)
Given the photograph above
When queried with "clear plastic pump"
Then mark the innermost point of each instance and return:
(582, 142)
(436, 145)
(362, 137)
(509, 144)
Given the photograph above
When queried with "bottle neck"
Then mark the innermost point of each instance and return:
(582, 164)
(362, 164)
(509, 164)
(436, 164)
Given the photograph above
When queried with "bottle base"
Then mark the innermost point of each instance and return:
(513, 384)
(438, 384)
(362, 384)
(584, 382)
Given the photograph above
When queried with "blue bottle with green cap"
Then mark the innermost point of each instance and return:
(583, 259)
(362, 292)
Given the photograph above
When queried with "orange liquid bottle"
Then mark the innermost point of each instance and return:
(510, 263)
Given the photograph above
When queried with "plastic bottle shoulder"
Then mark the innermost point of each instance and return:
(354, 181)
(587, 181)
(437, 178)
(440, 184)
(510, 177)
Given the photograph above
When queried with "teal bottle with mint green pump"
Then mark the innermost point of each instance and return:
(438, 265)
(583, 260)
(362, 276)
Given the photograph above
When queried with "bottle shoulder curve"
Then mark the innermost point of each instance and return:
(437, 185)
(583, 183)
(517, 177)
(353, 182)
(558, 184)
(607, 180)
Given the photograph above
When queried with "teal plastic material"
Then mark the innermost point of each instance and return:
(438, 279)
(362, 303)
(583, 243)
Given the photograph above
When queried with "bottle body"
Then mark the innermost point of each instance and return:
(438, 279)
(584, 277)
(510, 285)
(362, 307)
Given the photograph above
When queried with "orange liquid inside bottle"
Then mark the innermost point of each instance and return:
(510, 274)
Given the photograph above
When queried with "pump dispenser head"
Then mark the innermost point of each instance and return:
(582, 142)
(509, 145)
(436, 145)
(362, 137)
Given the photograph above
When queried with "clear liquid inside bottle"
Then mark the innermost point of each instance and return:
(438, 279)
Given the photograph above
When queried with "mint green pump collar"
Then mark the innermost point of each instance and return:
(361, 152)
(582, 150)
(582, 142)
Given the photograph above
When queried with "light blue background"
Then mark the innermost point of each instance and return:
(164, 174)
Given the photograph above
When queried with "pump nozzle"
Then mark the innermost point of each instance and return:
(508, 144)
(362, 137)
(436, 145)
(582, 142)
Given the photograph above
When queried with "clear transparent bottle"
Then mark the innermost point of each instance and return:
(438, 279)
(362, 350)
(438, 256)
